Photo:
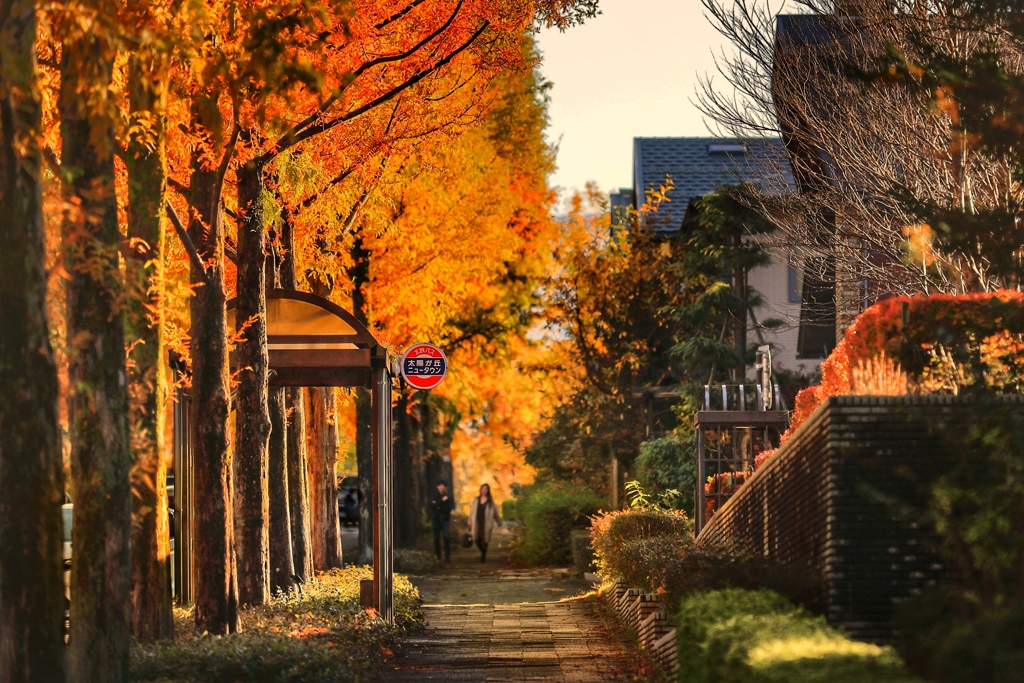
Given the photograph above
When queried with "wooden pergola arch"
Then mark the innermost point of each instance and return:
(312, 342)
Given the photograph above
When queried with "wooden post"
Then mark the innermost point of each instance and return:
(615, 483)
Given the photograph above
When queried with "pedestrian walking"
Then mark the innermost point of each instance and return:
(483, 515)
(441, 506)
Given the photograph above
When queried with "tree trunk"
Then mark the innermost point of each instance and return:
(332, 526)
(364, 465)
(424, 486)
(298, 485)
(31, 472)
(216, 588)
(281, 563)
(407, 514)
(740, 317)
(98, 401)
(151, 615)
(322, 481)
(252, 420)
(359, 275)
(298, 467)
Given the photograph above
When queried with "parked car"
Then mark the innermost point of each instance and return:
(348, 500)
(67, 510)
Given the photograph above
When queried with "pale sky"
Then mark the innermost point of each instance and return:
(631, 72)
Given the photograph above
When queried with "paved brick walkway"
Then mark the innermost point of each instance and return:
(553, 641)
(526, 636)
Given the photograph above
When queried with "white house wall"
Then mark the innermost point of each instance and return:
(772, 282)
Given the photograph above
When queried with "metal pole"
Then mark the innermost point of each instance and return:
(383, 554)
(700, 480)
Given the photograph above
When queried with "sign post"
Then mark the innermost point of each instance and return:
(383, 480)
(424, 366)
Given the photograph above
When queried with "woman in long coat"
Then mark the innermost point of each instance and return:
(483, 515)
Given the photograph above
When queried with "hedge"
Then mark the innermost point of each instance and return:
(758, 636)
(319, 636)
(549, 514)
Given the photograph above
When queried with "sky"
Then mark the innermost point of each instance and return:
(631, 72)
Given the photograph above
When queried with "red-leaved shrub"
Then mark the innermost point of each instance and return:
(993, 322)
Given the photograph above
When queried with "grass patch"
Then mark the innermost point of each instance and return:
(321, 636)
(744, 636)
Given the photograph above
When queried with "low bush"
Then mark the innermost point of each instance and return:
(652, 547)
(742, 636)
(641, 562)
(508, 509)
(611, 531)
(582, 552)
(549, 514)
(700, 570)
(320, 636)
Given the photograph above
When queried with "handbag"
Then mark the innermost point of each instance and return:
(467, 540)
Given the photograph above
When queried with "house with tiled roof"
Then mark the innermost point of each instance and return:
(699, 166)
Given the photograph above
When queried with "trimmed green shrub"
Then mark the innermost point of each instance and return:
(320, 636)
(549, 514)
(653, 549)
(582, 552)
(741, 636)
(611, 531)
(416, 562)
(508, 509)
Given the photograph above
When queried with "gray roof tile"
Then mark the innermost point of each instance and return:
(699, 166)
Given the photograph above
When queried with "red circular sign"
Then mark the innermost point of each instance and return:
(424, 366)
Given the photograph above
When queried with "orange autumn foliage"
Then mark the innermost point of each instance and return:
(989, 325)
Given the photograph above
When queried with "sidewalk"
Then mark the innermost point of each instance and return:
(488, 622)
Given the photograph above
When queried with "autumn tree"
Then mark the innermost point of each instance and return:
(256, 86)
(873, 155)
(424, 94)
(100, 449)
(963, 63)
(31, 486)
(146, 167)
(612, 297)
(717, 248)
(468, 233)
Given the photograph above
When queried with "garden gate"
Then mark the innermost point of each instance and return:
(729, 441)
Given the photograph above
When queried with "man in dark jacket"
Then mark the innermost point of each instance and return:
(441, 506)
